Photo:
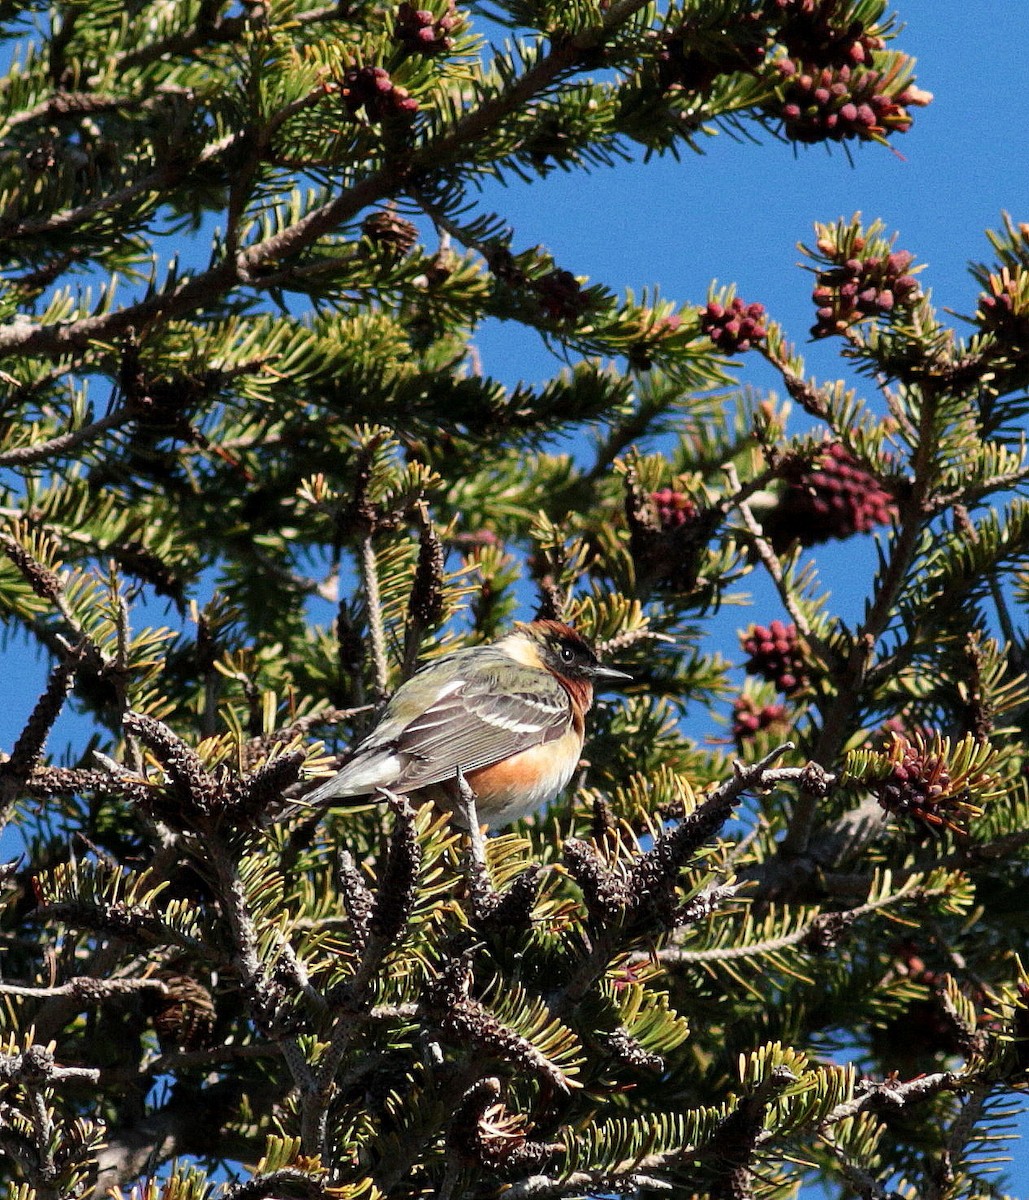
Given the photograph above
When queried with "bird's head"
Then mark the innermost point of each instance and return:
(560, 649)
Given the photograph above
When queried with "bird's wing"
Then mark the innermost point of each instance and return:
(470, 724)
(475, 726)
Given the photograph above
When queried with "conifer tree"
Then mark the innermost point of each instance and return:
(248, 491)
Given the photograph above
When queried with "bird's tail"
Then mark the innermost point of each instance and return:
(311, 804)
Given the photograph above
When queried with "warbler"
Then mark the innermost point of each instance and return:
(509, 717)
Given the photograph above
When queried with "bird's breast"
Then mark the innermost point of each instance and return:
(516, 786)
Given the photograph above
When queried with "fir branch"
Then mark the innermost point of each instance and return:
(48, 585)
(43, 1131)
(443, 149)
(850, 679)
(656, 872)
(322, 1004)
(953, 1161)
(358, 899)
(387, 919)
(28, 749)
(131, 924)
(289, 964)
(397, 888)
(605, 894)
(263, 995)
(21, 456)
(43, 580)
(193, 787)
(64, 104)
(36, 1067)
(213, 28)
(807, 394)
(893, 1093)
(25, 337)
(471, 1025)
(803, 935)
(255, 792)
(69, 219)
(87, 990)
(621, 910)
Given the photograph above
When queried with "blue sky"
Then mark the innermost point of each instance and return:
(736, 214)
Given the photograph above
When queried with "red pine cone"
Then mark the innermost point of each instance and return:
(822, 32)
(561, 296)
(372, 89)
(918, 783)
(668, 532)
(750, 718)
(833, 498)
(674, 509)
(734, 328)
(857, 288)
(820, 104)
(775, 655)
(422, 32)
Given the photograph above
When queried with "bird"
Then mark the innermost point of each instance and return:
(508, 718)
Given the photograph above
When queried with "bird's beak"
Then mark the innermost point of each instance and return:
(609, 673)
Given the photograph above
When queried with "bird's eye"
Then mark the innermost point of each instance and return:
(567, 654)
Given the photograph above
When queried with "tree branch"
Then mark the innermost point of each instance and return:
(21, 456)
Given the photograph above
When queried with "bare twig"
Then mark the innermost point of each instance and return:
(480, 886)
(770, 561)
(86, 989)
(892, 1093)
(370, 573)
(36, 1066)
(631, 637)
